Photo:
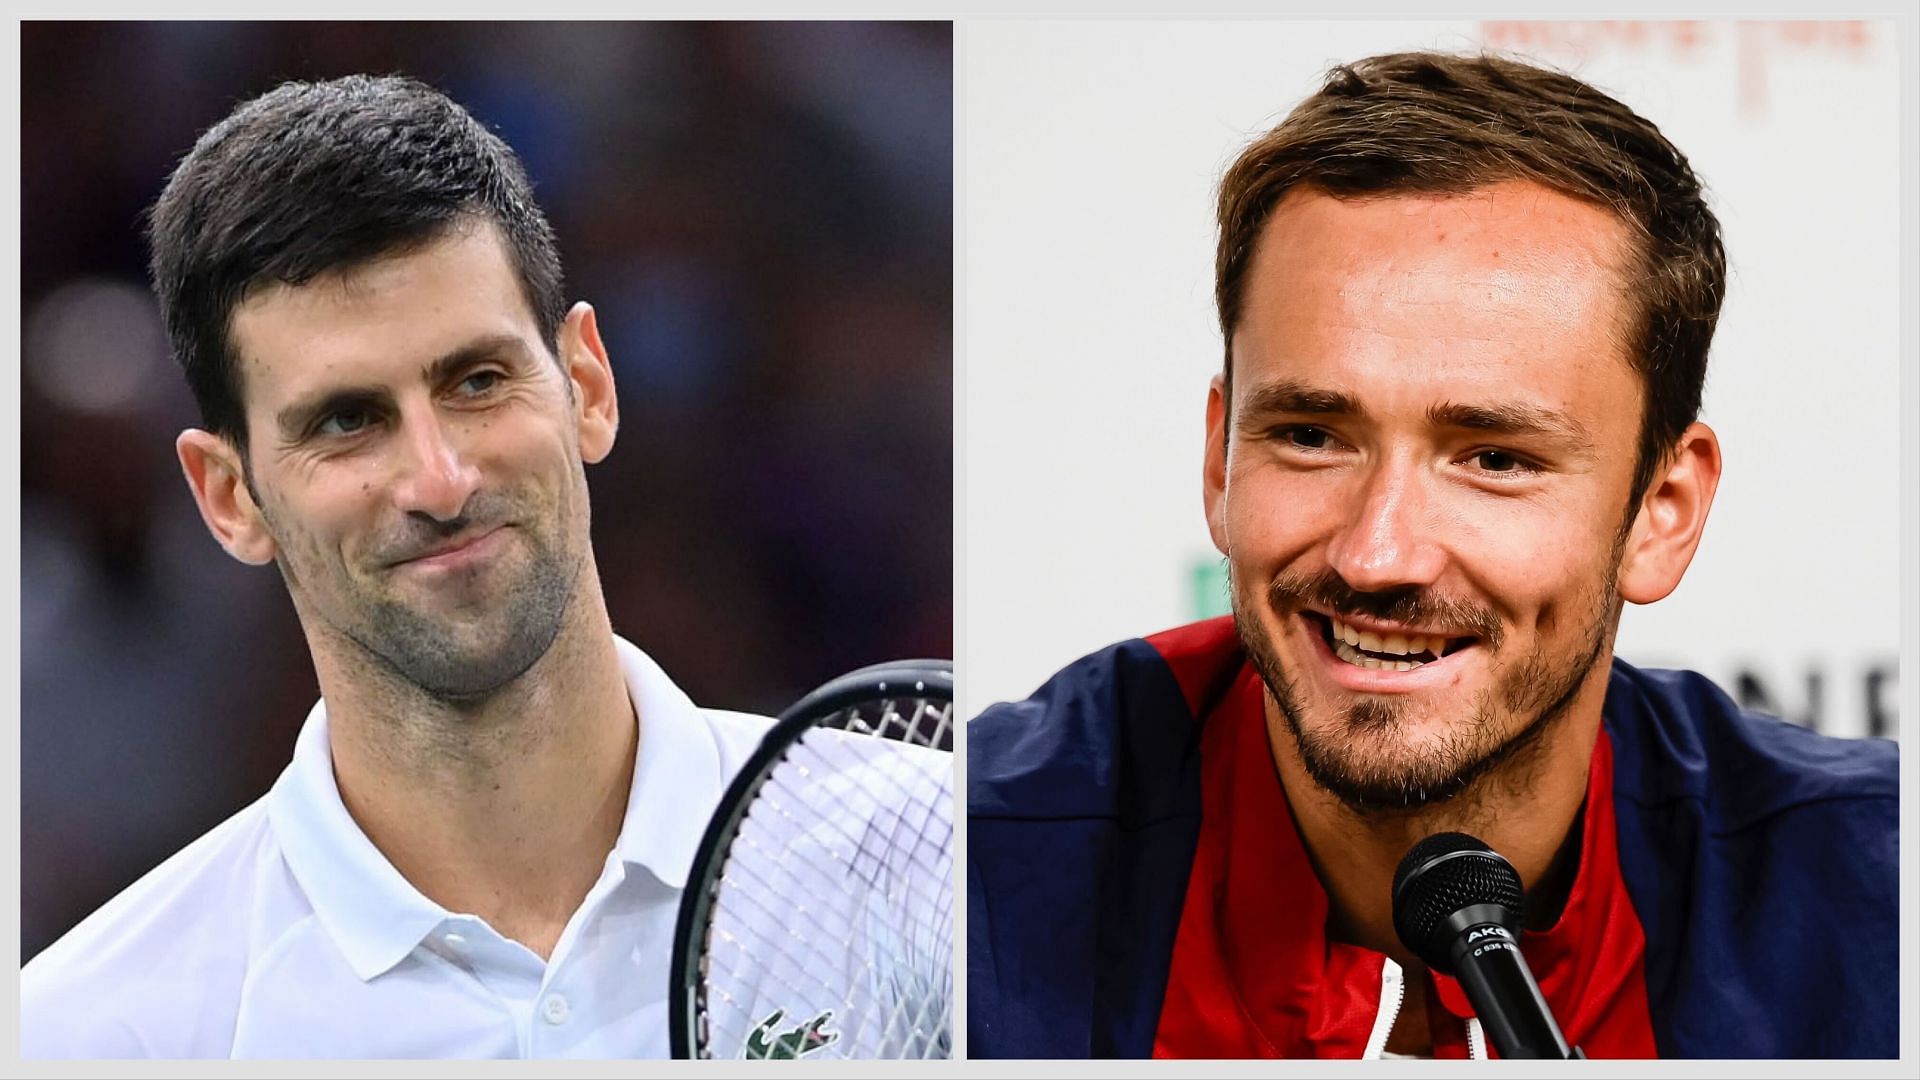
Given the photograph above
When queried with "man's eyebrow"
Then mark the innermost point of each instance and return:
(1512, 418)
(490, 347)
(1294, 396)
(294, 419)
(1291, 397)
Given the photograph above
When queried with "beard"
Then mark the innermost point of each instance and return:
(462, 662)
(482, 644)
(1361, 756)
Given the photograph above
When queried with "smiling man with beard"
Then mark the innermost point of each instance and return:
(1467, 306)
(480, 845)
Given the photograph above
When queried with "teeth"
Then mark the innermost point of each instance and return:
(1359, 659)
(1394, 644)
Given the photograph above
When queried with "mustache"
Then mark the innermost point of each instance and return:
(417, 534)
(1413, 605)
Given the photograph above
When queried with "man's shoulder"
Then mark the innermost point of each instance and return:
(155, 971)
(1084, 801)
(1733, 825)
(1109, 735)
(736, 734)
(1680, 737)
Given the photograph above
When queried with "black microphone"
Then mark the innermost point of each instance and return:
(1456, 905)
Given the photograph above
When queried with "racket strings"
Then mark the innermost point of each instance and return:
(809, 771)
(757, 869)
(820, 955)
(928, 723)
(793, 791)
(833, 913)
(908, 822)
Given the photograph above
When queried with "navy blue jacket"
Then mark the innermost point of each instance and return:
(1761, 859)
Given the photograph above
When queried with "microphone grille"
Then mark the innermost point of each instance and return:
(1441, 875)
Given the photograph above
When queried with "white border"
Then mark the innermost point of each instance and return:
(1908, 23)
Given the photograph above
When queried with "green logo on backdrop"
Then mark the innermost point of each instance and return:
(1209, 577)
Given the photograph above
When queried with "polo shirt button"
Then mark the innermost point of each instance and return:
(555, 1009)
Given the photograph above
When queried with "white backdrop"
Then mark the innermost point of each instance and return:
(1091, 152)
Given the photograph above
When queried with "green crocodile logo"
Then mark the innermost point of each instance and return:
(792, 1043)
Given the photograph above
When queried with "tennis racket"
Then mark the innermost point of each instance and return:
(817, 920)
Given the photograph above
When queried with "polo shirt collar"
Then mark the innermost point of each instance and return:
(376, 917)
(676, 774)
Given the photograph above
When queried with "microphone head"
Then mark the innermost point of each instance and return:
(1441, 876)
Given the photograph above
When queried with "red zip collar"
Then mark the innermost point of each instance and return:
(1253, 973)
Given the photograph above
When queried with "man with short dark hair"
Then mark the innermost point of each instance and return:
(1467, 305)
(480, 845)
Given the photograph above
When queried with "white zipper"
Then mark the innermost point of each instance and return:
(1393, 992)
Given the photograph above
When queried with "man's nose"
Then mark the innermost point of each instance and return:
(435, 478)
(1389, 538)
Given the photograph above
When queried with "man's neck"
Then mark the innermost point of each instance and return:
(506, 808)
(1525, 809)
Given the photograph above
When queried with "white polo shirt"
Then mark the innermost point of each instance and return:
(284, 933)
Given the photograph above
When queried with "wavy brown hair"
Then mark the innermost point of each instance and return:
(1433, 123)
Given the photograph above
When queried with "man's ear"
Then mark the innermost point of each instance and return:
(596, 406)
(1213, 472)
(1671, 517)
(218, 480)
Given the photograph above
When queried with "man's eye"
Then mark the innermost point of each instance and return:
(1307, 438)
(480, 382)
(342, 422)
(1499, 461)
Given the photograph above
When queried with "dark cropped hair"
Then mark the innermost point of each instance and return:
(311, 178)
(1432, 123)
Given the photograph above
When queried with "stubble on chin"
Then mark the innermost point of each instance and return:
(463, 660)
(1361, 756)
(454, 659)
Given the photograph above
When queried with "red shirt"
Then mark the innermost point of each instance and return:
(1255, 976)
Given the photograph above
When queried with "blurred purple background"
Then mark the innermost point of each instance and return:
(761, 214)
